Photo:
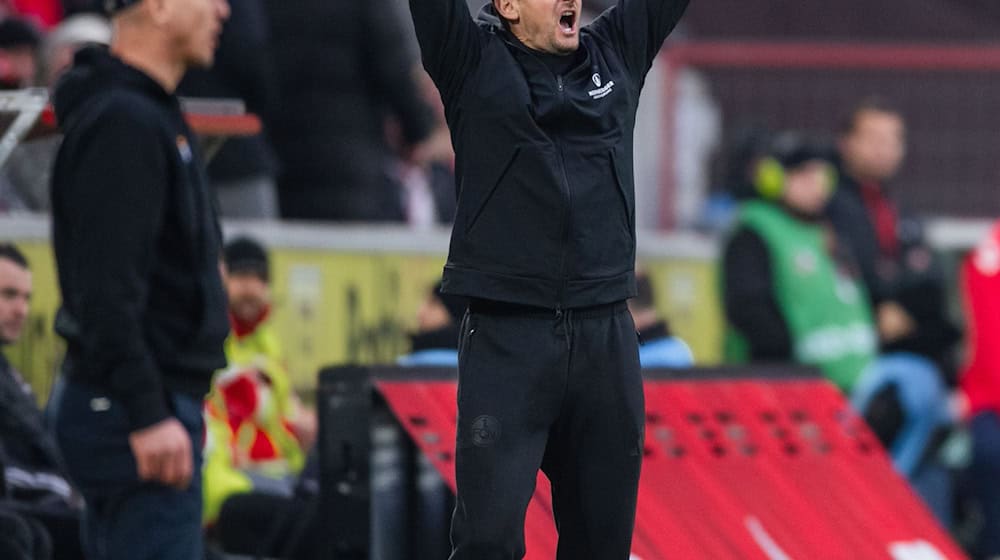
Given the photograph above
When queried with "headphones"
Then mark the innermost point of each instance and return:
(770, 177)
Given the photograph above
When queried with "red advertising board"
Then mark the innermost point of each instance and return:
(769, 469)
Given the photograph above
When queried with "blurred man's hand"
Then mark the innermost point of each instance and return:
(305, 426)
(163, 454)
(894, 322)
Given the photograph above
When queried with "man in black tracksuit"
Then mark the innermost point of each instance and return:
(542, 115)
(137, 245)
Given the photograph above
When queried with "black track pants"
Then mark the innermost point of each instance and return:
(556, 391)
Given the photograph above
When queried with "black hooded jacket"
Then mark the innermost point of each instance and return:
(546, 202)
(136, 240)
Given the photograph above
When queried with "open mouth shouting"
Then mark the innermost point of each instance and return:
(569, 22)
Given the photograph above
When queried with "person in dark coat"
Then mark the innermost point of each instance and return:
(336, 90)
(33, 484)
(541, 110)
(243, 171)
(137, 247)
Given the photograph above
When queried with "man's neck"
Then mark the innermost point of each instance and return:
(149, 56)
(860, 178)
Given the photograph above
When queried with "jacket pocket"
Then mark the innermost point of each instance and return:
(512, 210)
(603, 240)
(627, 199)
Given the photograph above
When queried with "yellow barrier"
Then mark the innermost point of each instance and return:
(337, 305)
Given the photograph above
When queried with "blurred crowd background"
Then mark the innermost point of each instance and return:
(815, 183)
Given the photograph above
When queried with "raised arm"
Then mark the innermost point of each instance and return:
(639, 28)
(450, 41)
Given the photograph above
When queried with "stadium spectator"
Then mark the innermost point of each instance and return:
(24, 184)
(793, 293)
(335, 90)
(981, 385)
(243, 171)
(144, 310)
(746, 145)
(790, 293)
(657, 346)
(904, 282)
(33, 484)
(19, 44)
(259, 432)
(905, 394)
(425, 172)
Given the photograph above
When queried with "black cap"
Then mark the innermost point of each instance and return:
(245, 256)
(793, 149)
(18, 32)
(113, 6)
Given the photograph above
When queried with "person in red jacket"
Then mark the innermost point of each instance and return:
(981, 382)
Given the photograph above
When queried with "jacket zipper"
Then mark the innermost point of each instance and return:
(564, 276)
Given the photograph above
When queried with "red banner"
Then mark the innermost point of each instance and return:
(742, 469)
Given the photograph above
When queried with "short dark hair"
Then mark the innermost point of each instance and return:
(10, 252)
(244, 255)
(872, 104)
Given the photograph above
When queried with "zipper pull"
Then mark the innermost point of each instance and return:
(559, 312)
(559, 82)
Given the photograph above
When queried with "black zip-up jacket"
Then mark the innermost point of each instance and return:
(546, 202)
(136, 240)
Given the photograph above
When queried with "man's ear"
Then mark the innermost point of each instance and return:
(508, 9)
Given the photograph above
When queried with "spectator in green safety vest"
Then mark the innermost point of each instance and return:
(258, 433)
(790, 293)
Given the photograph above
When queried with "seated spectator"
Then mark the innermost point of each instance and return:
(906, 286)
(790, 294)
(981, 385)
(34, 485)
(904, 281)
(435, 342)
(657, 346)
(258, 431)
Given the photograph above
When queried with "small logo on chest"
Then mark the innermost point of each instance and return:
(602, 90)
